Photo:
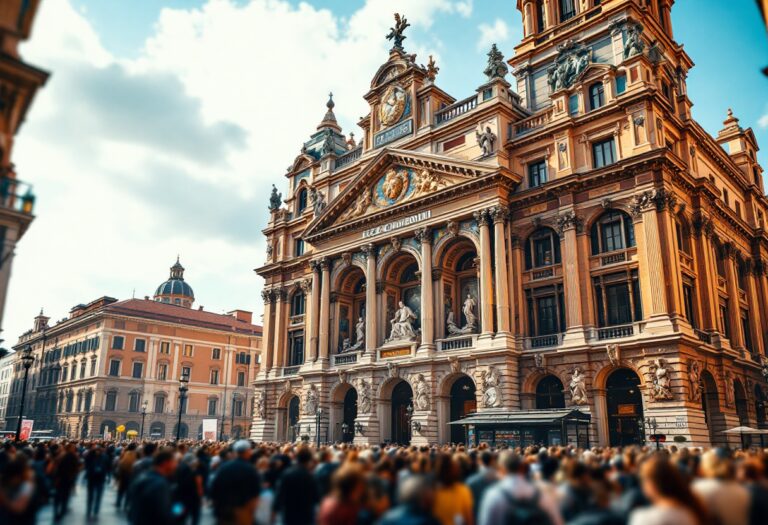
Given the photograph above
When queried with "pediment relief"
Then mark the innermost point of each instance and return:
(394, 178)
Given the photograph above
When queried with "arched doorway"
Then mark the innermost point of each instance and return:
(108, 426)
(760, 406)
(463, 401)
(349, 416)
(157, 430)
(625, 408)
(292, 418)
(710, 405)
(549, 393)
(402, 398)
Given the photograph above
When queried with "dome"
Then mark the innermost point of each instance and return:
(175, 290)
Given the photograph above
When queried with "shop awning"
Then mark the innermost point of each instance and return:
(525, 417)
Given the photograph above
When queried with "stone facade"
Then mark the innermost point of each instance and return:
(579, 241)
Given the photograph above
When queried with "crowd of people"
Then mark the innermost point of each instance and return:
(244, 483)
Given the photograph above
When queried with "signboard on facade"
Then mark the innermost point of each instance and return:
(395, 352)
(209, 429)
(396, 225)
(626, 410)
(392, 134)
(26, 429)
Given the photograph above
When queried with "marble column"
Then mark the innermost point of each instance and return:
(707, 273)
(279, 335)
(503, 313)
(734, 308)
(314, 311)
(369, 250)
(268, 330)
(568, 224)
(325, 307)
(755, 319)
(424, 236)
(486, 277)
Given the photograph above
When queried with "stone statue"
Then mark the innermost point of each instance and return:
(661, 390)
(764, 368)
(261, 405)
(396, 33)
(694, 380)
(469, 312)
(489, 384)
(486, 140)
(612, 351)
(402, 324)
(730, 395)
(538, 361)
(364, 396)
(432, 69)
(329, 145)
(316, 200)
(392, 371)
(421, 400)
(578, 388)
(450, 324)
(359, 335)
(455, 364)
(634, 44)
(275, 200)
(311, 401)
(497, 67)
(573, 58)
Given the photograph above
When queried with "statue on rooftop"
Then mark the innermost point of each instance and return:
(275, 200)
(396, 33)
(496, 67)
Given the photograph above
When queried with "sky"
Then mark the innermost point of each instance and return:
(165, 123)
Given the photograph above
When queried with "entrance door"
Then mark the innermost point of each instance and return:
(463, 402)
(402, 398)
(293, 418)
(625, 408)
(350, 414)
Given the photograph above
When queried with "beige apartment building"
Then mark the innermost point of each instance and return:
(95, 370)
(564, 254)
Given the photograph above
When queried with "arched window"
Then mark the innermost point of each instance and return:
(542, 248)
(301, 200)
(133, 401)
(549, 393)
(297, 304)
(596, 96)
(612, 231)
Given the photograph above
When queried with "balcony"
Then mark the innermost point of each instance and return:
(542, 341)
(617, 331)
(703, 336)
(296, 319)
(456, 109)
(16, 195)
(291, 370)
(613, 258)
(348, 358)
(456, 343)
(546, 273)
(533, 122)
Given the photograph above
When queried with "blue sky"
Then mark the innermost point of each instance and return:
(165, 123)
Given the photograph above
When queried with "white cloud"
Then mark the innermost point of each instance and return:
(134, 161)
(763, 121)
(492, 34)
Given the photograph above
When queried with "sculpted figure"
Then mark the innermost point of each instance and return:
(694, 380)
(661, 387)
(489, 383)
(634, 44)
(469, 311)
(261, 405)
(486, 140)
(422, 393)
(316, 200)
(364, 396)
(402, 324)
(578, 388)
(311, 401)
(450, 324)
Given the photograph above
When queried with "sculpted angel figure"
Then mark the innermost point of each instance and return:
(402, 324)
(578, 387)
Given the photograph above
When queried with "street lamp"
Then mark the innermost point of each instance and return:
(26, 359)
(183, 387)
(143, 415)
(344, 431)
(318, 414)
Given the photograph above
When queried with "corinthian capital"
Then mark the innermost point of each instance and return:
(423, 235)
(568, 220)
(369, 250)
(499, 214)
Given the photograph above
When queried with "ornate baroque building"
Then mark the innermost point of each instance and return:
(564, 246)
(97, 369)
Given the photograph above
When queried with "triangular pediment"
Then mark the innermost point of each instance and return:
(396, 178)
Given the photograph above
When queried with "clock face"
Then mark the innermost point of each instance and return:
(392, 105)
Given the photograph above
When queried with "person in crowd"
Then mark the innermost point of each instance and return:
(345, 502)
(672, 500)
(416, 497)
(66, 468)
(324, 471)
(484, 478)
(727, 501)
(151, 493)
(751, 474)
(376, 502)
(514, 499)
(297, 493)
(235, 488)
(453, 499)
(17, 490)
(97, 464)
(124, 473)
(188, 489)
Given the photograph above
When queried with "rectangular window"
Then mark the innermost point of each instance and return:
(725, 324)
(540, 16)
(621, 84)
(82, 370)
(688, 300)
(186, 371)
(139, 345)
(537, 173)
(165, 347)
(162, 371)
(117, 342)
(114, 368)
(237, 407)
(93, 367)
(212, 405)
(567, 9)
(216, 354)
(298, 247)
(214, 377)
(159, 404)
(241, 378)
(111, 402)
(138, 368)
(73, 372)
(187, 351)
(573, 105)
(746, 331)
(296, 348)
(133, 403)
(603, 153)
(617, 297)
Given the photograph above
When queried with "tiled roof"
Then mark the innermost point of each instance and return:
(178, 314)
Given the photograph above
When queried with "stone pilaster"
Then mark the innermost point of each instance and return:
(424, 236)
(325, 308)
(568, 225)
(486, 276)
(314, 312)
(503, 313)
(371, 328)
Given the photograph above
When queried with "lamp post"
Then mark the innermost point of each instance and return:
(26, 359)
(344, 431)
(183, 387)
(318, 414)
(143, 415)
(232, 416)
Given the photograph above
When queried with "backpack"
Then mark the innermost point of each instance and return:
(525, 511)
